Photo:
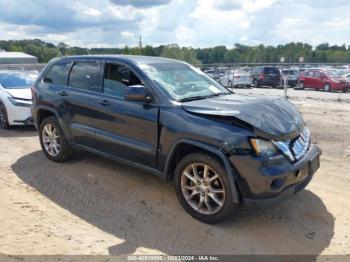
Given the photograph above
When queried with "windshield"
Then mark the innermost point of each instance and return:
(16, 80)
(182, 81)
(334, 73)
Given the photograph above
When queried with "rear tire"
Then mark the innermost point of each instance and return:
(4, 123)
(255, 83)
(301, 86)
(327, 88)
(203, 196)
(53, 142)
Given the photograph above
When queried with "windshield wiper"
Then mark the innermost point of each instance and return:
(191, 98)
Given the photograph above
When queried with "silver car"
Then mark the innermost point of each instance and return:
(236, 78)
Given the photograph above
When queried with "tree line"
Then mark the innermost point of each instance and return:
(238, 53)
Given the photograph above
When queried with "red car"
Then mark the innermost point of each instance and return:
(324, 79)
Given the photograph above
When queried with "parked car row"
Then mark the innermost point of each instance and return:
(327, 78)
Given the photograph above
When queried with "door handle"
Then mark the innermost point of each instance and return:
(104, 102)
(62, 93)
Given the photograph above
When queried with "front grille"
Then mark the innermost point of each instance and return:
(295, 149)
(301, 144)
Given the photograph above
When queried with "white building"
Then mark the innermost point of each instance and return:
(16, 58)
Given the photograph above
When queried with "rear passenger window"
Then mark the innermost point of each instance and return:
(311, 74)
(317, 74)
(117, 78)
(58, 74)
(85, 75)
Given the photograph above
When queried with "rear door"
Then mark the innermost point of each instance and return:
(81, 101)
(317, 80)
(307, 78)
(125, 129)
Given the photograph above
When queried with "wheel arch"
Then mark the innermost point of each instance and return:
(183, 147)
(42, 113)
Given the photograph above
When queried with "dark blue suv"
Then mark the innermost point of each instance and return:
(167, 117)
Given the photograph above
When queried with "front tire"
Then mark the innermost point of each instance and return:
(203, 188)
(4, 123)
(53, 142)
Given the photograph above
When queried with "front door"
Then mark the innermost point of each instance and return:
(126, 129)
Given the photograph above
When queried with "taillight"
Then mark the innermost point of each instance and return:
(261, 76)
(237, 77)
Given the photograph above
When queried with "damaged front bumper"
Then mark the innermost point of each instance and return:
(268, 181)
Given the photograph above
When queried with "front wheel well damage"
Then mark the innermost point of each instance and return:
(182, 150)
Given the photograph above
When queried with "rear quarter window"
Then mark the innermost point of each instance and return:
(58, 74)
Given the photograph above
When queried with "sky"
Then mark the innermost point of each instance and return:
(195, 23)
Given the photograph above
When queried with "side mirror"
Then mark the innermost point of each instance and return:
(137, 93)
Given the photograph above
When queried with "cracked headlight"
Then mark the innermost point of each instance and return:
(263, 147)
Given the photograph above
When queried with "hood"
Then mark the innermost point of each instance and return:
(339, 78)
(24, 93)
(270, 117)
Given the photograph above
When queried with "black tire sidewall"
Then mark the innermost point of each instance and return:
(6, 124)
(66, 150)
(229, 205)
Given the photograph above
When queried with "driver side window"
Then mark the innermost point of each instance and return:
(117, 78)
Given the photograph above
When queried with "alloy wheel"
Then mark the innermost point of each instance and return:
(203, 188)
(326, 88)
(51, 140)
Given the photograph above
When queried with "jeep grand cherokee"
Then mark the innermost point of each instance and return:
(165, 116)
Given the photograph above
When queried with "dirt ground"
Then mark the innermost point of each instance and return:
(91, 205)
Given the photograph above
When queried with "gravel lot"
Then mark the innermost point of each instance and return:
(91, 205)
